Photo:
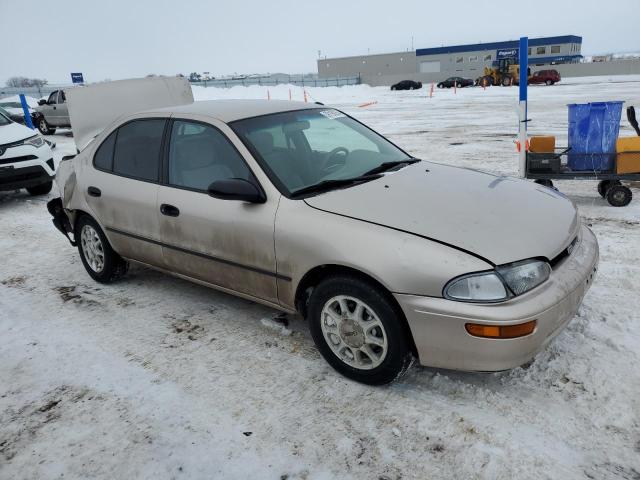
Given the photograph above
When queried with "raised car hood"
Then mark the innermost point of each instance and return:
(96, 106)
(501, 219)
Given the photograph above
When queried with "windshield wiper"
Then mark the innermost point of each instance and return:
(386, 166)
(327, 185)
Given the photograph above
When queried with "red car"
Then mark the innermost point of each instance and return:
(548, 77)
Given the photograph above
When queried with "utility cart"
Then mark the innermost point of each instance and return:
(595, 152)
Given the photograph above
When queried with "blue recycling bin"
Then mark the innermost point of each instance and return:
(593, 131)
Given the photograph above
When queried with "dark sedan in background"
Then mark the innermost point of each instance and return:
(407, 85)
(457, 82)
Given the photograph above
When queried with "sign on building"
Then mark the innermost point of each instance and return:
(507, 53)
(77, 78)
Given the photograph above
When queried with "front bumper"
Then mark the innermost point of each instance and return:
(438, 325)
(26, 166)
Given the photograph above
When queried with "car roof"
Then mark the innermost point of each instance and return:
(231, 110)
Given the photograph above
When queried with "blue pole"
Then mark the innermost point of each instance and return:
(25, 109)
(522, 124)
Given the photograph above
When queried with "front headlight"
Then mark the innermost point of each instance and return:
(504, 282)
(35, 141)
(477, 287)
(522, 276)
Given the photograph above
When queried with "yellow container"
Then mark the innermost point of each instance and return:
(542, 144)
(628, 158)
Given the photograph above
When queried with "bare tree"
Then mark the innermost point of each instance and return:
(26, 82)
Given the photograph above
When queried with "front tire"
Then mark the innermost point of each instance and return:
(44, 128)
(548, 83)
(358, 330)
(41, 189)
(102, 263)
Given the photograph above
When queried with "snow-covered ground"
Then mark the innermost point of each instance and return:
(154, 377)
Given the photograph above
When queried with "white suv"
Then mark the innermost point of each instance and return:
(26, 160)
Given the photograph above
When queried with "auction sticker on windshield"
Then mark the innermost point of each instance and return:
(332, 114)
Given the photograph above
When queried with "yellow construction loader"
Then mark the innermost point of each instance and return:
(505, 72)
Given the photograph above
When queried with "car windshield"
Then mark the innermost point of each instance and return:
(303, 148)
(10, 105)
(4, 118)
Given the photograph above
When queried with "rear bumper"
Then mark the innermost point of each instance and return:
(438, 325)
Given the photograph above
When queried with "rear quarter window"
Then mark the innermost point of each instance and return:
(103, 159)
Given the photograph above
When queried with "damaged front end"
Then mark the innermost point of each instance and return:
(66, 181)
(60, 219)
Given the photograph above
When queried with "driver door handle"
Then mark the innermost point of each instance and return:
(169, 210)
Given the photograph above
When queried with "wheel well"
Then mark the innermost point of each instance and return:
(316, 275)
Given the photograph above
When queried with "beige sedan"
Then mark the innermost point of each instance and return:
(300, 207)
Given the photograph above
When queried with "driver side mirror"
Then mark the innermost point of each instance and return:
(236, 189)
(42, 102)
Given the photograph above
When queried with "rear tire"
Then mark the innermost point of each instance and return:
(619, 195)
(41, 189)
(358, 330)
(604, 185)
(506, 81)
(44, 128)
(102, 263)
(548, 83)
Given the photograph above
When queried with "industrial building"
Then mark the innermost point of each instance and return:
(435, 64)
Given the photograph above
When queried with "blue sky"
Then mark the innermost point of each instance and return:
(120, 39)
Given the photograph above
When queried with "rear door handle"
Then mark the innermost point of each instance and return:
(169, 210)
(94, 191)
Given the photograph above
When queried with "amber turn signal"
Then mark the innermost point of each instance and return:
(501, 331)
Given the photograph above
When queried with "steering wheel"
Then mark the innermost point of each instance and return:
(329, 165)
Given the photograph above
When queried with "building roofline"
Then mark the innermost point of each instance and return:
(406, 52)
(533, 42)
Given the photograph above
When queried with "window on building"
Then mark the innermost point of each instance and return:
(487, 58)
(459, 59)
(364, 61)
(474, 58)
(327, 65)
(541, 50)
(529, 51)
(555, 48)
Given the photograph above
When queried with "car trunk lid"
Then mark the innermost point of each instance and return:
(96, 106)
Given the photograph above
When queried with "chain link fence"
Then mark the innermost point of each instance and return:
(310, 80)
(272, 80)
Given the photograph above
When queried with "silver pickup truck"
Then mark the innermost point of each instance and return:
(52, 113)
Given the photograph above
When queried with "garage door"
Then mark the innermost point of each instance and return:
(429, 67)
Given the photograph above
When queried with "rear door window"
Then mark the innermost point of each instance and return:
(137, 149)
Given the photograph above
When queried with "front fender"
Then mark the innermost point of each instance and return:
(306, 238)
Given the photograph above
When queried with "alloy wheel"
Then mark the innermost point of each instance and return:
(92, 248)
(354, 332)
